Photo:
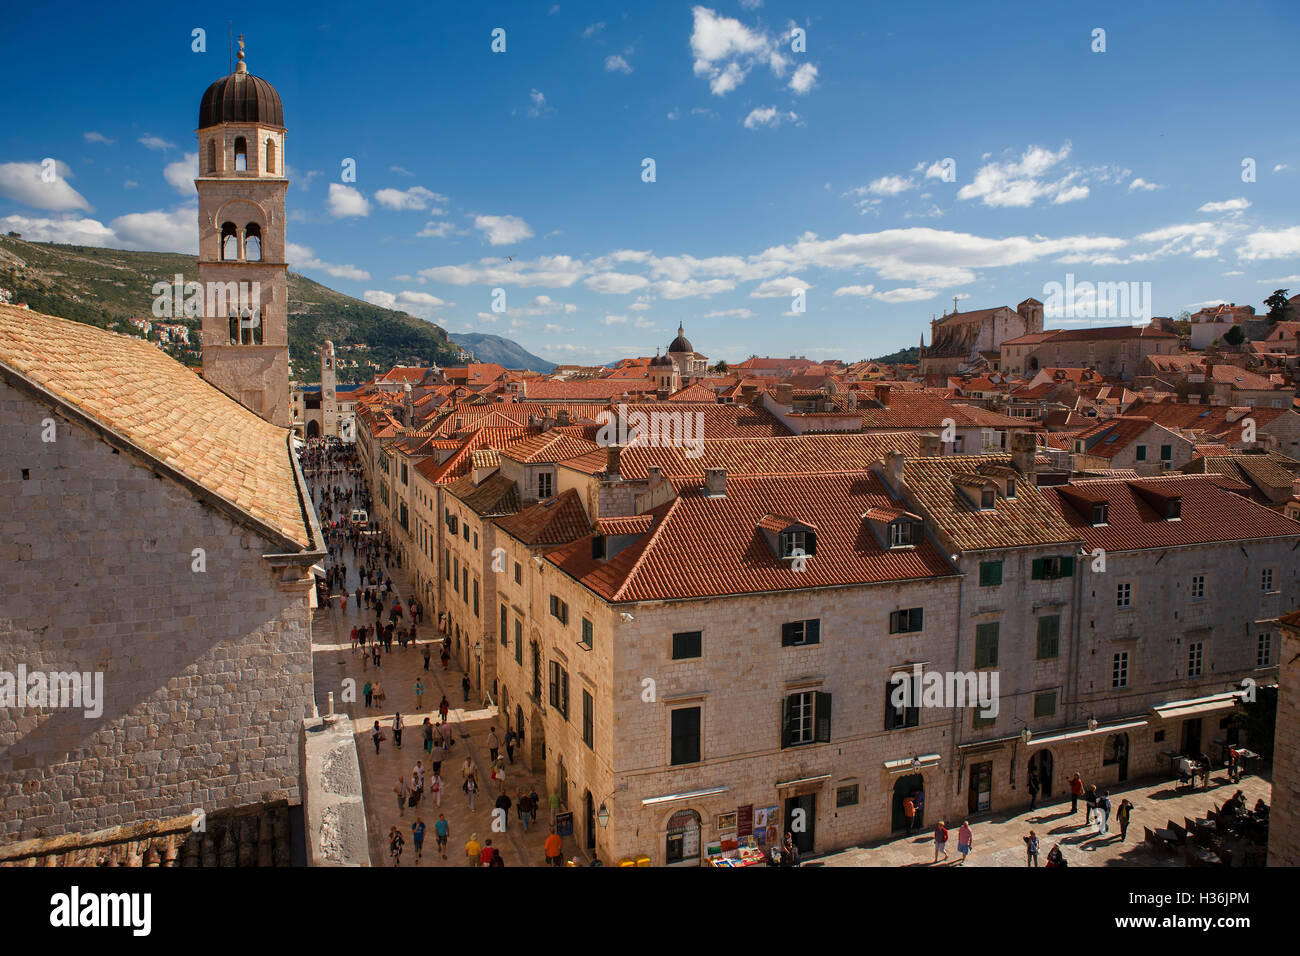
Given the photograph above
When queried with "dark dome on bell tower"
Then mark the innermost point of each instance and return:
(241, 98)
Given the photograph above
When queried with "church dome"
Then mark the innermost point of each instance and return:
(681, 343)
(661, 360)
(241, 98)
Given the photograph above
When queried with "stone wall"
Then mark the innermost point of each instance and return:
(207, 676)
(1284, 832)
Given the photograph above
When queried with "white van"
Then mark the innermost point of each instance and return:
(359, 516)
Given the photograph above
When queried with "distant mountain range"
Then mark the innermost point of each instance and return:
(105, 287)
(493, 348)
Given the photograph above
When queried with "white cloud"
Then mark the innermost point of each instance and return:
(805, 77)
(905, 295)
(642, 304)
(1228, 205)
(890, 185)
(22, 182)
(302, 257)
(400, 170)
(675, 289)
(616, 283)
(614, 320)
(1281, 168)
(1272, 244)
(92, 137)
(730, 313)
(862, 290)
(181, 173)
(592, 30)
(78, 232)
(435, 230)
(935, 170)
(346, 201)
(159, 231)
(417, 197)
(156, 142)
(725, 51)
(420, 304)
(1019, 183)
(503, 230)
(1143, 185)
(768, 116)
(616, 64)
(539, 105)
(779, 288)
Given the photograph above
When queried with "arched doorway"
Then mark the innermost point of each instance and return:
(589, 815)
(905, 787)
(313, 429)
(682, 846)
(1041, 764)
(1115, 753)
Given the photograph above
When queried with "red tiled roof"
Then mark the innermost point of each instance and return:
(796, 454)
(599, 389)
(556, 521)
(707, 546)
(549, 446)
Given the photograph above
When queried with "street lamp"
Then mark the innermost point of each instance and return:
(602, 816)
(1026, 735)
(916, 762)
(1092, 723)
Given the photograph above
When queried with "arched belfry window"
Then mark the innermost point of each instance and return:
(250, 327)
(270, 156)
(253, 242)
(234, 327)
(241, 154)
(229, 242)
(212, 155)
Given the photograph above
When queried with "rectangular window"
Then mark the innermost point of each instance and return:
(905, 621)
(1166, 452)
(1100, 513)
(1141, 452)
(685, 735)
(902, 702)
(475, 540)
(1195, 658)
(519, 642)
(903, 533)
(1049, 637)
(800, 633)
(465, 531)
(588, 720)
(805, 718)
(1045, 704)
(505, 626)
(559, 689)
(1264, 649)
(476, 597)
(537, 670)
(1198, 587)
(519, 574)
(1124, 594)
(446, 562)
(544, 484)
(464, 581)
(1266, 579)
(559, 610)
(688, 645)
(587, 633)
(846, 796)
(1049, 569)
(986, 645)
(455, 575)
(1119, 669)
(979, 721)
(990, 574)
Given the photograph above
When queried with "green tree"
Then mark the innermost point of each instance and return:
(1234, 336)
(1276, 305)
(721, 367)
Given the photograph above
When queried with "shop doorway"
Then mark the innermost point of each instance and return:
(980, 796)
(313, 429)
(1041, 764)
(683, 842)
(1192, 737)
(905, 787)
(800, 821)
(1115, 752)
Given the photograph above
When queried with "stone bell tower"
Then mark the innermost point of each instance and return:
(242, 186)
(329, 405)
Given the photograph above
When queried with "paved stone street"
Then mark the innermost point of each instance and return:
(999, 839)
(335, 660)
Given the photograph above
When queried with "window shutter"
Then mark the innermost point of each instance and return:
(917, 615)
(813, 631)
(1037, 572)
(785, 723)
(823, 718)
(889, 705)
(787, 634)
(893, 622)
(810, 542)
(1067, 566)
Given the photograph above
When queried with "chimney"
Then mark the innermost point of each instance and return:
(1024, 452)
(894, 469)
(882, 395)
(562, 417)
(783, 394)
(931, 446)
(652, 475)
(715, 482)
(613, 455)
(853, 400)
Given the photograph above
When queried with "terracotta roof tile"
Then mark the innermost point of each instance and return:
(555, 521)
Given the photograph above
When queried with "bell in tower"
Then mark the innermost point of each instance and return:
(242, 186)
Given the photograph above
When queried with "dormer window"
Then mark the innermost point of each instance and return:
(795, 543)
(1100, 513)
(988, 499)
(904, 533)
(1174, 509)
(1011, 487)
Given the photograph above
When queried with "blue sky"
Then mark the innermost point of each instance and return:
(775, 169)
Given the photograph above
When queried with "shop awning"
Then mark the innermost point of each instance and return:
(317, 570)
(1085, 732)
(1179, 709)
(899, 766)
(819, 778)
(690, 795)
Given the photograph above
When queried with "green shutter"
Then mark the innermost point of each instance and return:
(822, 718)
(1037, 573)
(917, 617)
(785, 723)
(813, 631)
(893, 622)
(810, 542)
(1067, 566)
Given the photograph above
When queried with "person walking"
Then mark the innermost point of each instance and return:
(503, 803)
(403, 794)
(444, 730)
(441, 831)
(1076, 791)
(1031, 849)
(494, 744)
(965, 840)
(397, 729)
(473, 849)
(1103, 813)
(1091, 800)
(443, 707)
(1033, 787)
(446, 657)
(465, 687)
(487, 854)
(940, 841)
(553, 845)
(376, 735)
(380, 696)
(417, 834)
(918, 800)
(909, 811)
(419, 695)
(395, 844)
(471, 789)
(368, 692)
(1122, 815)
(428, 652)
(510, 745)
(435, 788)
(426, 729)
